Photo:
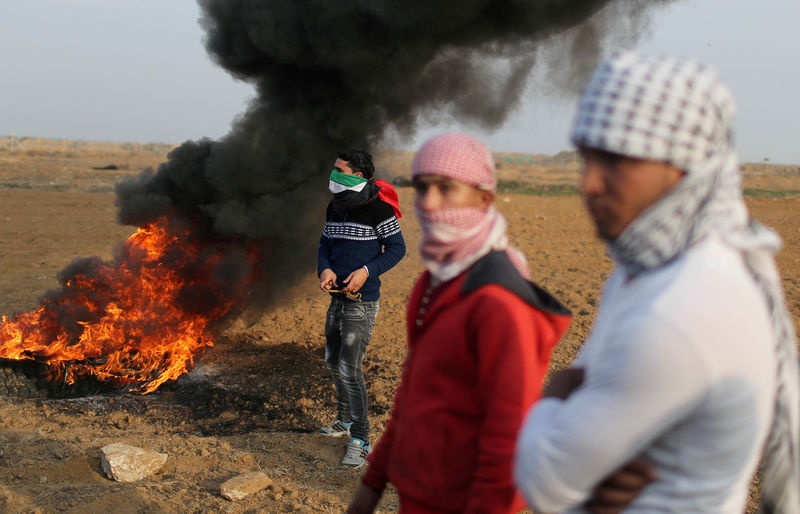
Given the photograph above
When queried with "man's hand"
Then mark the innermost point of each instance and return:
(616, 492)
(365, 500)
(327, 279)
(355, 280)
(563, 382)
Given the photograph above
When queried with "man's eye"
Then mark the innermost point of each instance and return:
(609, 160)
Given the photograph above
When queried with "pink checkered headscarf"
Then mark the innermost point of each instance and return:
(453, 239)
(459, 157)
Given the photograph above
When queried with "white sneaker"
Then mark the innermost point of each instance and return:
(336, 429)
(357, 451)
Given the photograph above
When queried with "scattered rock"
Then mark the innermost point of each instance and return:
(243, 485)
(125, 463)
(228, 416)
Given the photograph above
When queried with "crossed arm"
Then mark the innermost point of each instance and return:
(584, 429)
(618, 490)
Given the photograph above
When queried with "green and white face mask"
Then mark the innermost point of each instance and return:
(341, 182)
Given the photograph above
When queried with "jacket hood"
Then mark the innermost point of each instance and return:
(496, 268)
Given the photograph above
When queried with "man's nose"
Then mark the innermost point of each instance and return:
(592, 182)
(430, 200)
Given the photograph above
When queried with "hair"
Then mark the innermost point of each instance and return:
(359, 161)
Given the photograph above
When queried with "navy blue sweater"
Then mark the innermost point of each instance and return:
(361, 235)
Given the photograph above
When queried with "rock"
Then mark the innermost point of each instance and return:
(228, 416)
(125, 463)
(243, 485)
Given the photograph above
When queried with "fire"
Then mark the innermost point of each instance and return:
(139, 321)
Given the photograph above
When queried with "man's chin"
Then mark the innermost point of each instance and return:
(605, 233)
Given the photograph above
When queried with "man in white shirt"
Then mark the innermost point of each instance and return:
(691, 365)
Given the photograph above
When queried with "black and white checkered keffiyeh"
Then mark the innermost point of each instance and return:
(676, 110)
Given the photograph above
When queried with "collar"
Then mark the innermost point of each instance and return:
(349, 199)
(496, 268)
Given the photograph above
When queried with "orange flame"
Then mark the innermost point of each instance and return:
(125, 322)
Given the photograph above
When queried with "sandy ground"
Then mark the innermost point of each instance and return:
(256, 399)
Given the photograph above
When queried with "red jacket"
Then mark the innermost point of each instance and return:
(478, 348)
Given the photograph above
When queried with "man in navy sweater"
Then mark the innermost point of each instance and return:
(360, 241)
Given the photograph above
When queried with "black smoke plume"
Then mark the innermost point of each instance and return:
(337, 74)
(247, 209)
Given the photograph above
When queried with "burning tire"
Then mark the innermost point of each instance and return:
(20, 380)
(28, 379)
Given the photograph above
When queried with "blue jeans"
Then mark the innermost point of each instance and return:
(348, 327)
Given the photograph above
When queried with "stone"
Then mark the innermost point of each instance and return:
(125, 463)
(243, 485)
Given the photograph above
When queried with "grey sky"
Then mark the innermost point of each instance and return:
(136, 70)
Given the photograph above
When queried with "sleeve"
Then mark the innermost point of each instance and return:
(391, 238)
(648, 376)
(376, 476)
(324, 252)
(514, 343)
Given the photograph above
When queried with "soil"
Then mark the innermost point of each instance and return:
(256, 399)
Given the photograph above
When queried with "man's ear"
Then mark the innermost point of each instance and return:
(358, 174)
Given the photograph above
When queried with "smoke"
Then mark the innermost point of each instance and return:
(234, 222)
(333, 75)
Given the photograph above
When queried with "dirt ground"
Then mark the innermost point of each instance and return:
(255, 400)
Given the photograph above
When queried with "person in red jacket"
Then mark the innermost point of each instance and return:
(479, 340)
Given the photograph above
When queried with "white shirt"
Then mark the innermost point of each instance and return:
(679, 370)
